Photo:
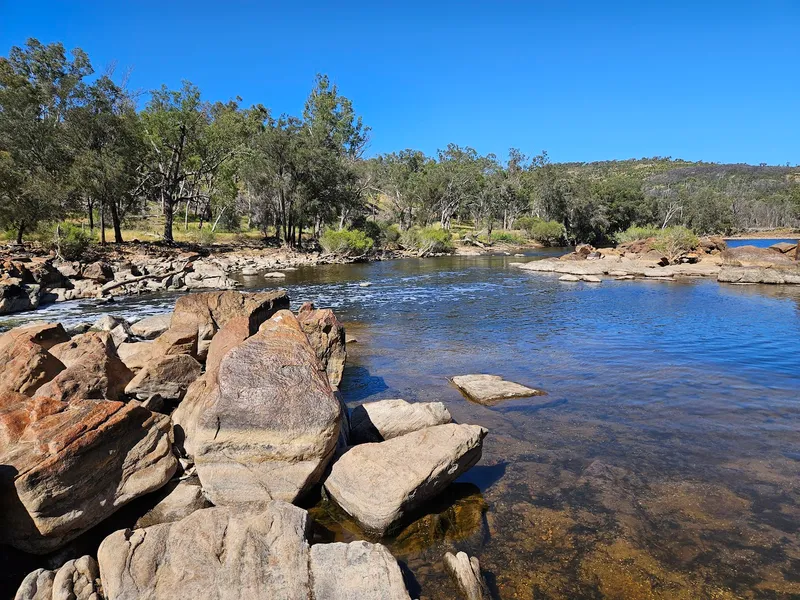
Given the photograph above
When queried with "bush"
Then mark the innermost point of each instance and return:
(390, 233)
(507, 237)
(673, 242)
(632, 234)
(346, 242)
(204, 236)
(70, 241)
(427, 240)
(549, 233)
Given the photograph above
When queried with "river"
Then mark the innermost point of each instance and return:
(663, 463)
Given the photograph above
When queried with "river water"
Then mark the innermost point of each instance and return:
(663, 463)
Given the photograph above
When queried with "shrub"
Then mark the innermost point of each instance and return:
(427, 240)
(634, 233)
(70, 240)
(347, 242)
(673, 242)
(507, 237)
(549, 233)
(204, 236)
(390, 233)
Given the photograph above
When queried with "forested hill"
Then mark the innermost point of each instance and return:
(607, 196)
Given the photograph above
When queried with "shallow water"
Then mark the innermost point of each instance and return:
(663, 463)
(758, 242)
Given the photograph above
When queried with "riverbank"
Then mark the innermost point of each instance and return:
(744, 264)
(31, 277)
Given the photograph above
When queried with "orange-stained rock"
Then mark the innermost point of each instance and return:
(68, 466)
(231, 335)
(327, 337)
(25, 363)
(94, 370)
(210, 311)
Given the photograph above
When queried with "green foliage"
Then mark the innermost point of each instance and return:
(549, 233)
(506, 237)
(204, 236)
(346, 242)
(70, 241)
(673, 242)
(635, 233)
(427, 240)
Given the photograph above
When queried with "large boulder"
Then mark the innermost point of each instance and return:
(94, 371)
(378, 484)
(224, 554)
(167, 376)
(68, 466)
(387, 419)
(150, 328)
(270, 421)
(77, 579)
(327, 337)
(99, 271)
(25, 363)
(16, 296)
(208, 312)
(214, 554)
(356, 570)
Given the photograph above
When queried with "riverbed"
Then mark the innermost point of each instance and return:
(663, 463)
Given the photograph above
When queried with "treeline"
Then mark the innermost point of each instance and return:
(74, 145)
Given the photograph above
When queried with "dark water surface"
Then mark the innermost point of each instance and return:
(664, 462)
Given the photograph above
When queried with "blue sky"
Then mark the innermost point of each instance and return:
(703, 80)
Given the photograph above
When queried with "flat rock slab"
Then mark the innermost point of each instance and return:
(387, 419)
(378, 484)
(491, 389)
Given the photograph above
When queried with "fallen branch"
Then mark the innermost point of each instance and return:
(115, 284)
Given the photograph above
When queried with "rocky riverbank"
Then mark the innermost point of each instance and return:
(211, 427)
(711, 259)
(30, 278)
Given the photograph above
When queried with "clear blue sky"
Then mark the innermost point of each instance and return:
(591, 80)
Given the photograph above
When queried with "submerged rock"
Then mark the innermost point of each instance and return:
(378, 484)
(269, 423)
(387, 419)
(466, 573)
(490, 389)
(68, 466)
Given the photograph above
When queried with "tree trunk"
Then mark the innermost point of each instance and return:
(102, 224)
(186, 217)
(90, 214)
(20, 231)
(115, 222)
(169, 209)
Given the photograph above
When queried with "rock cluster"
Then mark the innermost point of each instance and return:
(223, 413)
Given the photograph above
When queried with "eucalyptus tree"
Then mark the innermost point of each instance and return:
(106, 137)
(398, 177)
(189, 141)
(38, 86)
(455, 179)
